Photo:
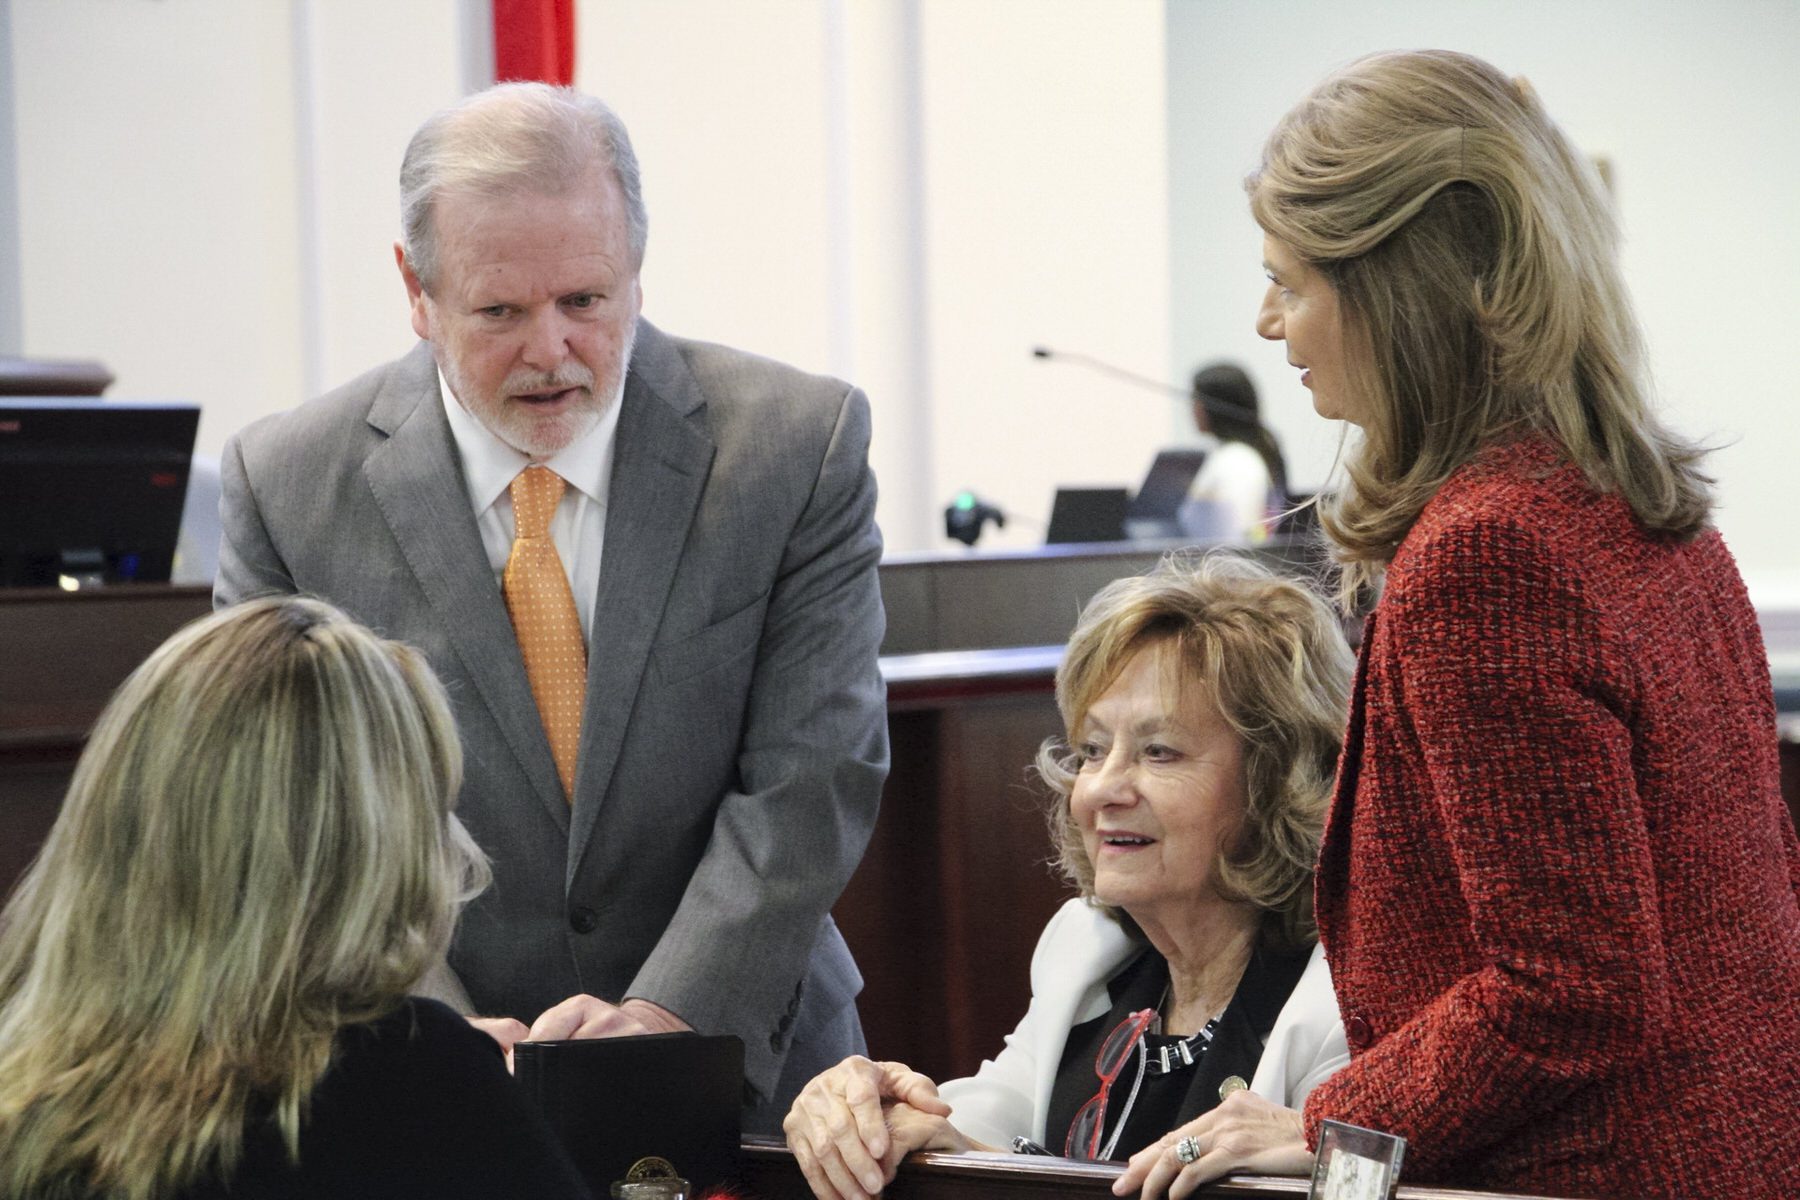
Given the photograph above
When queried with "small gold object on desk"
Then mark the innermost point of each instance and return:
(651, 1178)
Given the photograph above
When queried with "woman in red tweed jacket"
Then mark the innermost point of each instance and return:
(1558, 884)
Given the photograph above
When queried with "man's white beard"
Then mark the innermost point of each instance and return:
(535, 437)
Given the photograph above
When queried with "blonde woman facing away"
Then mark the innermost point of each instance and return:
(204, 976)
(1203, 705)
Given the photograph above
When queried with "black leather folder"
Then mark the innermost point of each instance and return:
(616, 1101)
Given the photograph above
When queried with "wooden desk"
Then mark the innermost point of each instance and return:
(61, 656)
(769, 1173)
(946, 907)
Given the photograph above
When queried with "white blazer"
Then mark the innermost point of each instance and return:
(1080, 950)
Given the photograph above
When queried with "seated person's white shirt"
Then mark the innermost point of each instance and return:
(1235, 481)
(1080, 950)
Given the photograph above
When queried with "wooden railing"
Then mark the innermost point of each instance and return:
(770, 1173)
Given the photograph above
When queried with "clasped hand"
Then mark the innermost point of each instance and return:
(850, 1127)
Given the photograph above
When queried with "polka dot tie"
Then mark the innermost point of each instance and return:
(544, 617)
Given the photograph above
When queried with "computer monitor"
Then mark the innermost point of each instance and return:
(91, 490)
(1087, 515)
(1155, 512)
(1166, 486)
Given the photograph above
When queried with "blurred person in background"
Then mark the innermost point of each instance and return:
(1244, 477)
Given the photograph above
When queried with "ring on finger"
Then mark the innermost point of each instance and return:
(1187, 1149)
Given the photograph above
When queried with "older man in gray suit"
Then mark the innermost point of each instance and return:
(644, 567)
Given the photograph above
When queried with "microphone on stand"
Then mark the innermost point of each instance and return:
(1143, 381)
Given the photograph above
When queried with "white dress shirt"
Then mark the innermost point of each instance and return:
(579, 526)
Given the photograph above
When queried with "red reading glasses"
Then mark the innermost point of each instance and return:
(1090, 1120)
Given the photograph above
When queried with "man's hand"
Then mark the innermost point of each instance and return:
(839, 1126)
(590, 1017)
(1245, 1133)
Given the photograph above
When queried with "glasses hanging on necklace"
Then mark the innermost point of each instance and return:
(1090, 1120)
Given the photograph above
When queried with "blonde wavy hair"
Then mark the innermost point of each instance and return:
(256, 849)
(1271, 656)
(1474, 255)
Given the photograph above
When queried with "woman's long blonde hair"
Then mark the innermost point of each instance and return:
(256, 849)
(1474, 255)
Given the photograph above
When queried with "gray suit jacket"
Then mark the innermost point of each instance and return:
(735, 737)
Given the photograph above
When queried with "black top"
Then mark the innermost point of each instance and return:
(416, 1104)
(1174, 1097)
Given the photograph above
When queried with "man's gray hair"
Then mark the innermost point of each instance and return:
(510, 138)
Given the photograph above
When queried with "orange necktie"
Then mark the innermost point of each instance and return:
(544, 617)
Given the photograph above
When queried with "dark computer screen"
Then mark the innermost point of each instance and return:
(1164, 489)
(1087, 515)
(91, 490)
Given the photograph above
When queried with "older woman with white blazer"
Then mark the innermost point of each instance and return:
(1203, 706)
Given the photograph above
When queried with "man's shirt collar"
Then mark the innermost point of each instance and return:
(490, 465)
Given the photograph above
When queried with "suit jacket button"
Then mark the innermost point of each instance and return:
(583, 919)
(1357, 1032)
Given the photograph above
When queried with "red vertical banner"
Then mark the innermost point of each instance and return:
(534, 39)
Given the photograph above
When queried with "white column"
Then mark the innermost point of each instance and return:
(475, 45)
(879, 326)
(11, 317)
(367, 76)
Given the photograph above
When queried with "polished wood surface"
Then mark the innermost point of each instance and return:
(65, 652)
(944, 912)
(1028, 597)
(52, 377)
(61, 656)
(770, 1173)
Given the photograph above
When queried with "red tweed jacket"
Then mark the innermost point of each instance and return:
(1558, 883)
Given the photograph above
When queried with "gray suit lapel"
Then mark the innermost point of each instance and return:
(660, 467)
(416, 477)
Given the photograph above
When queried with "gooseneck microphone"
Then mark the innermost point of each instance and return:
(1143, 381)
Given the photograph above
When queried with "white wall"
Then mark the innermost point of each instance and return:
(206, 189)
(907, 193)
(1045, 223)
(156, 171)
(1693, 104)
(368, 75)
(10, 309)
(890, 192)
